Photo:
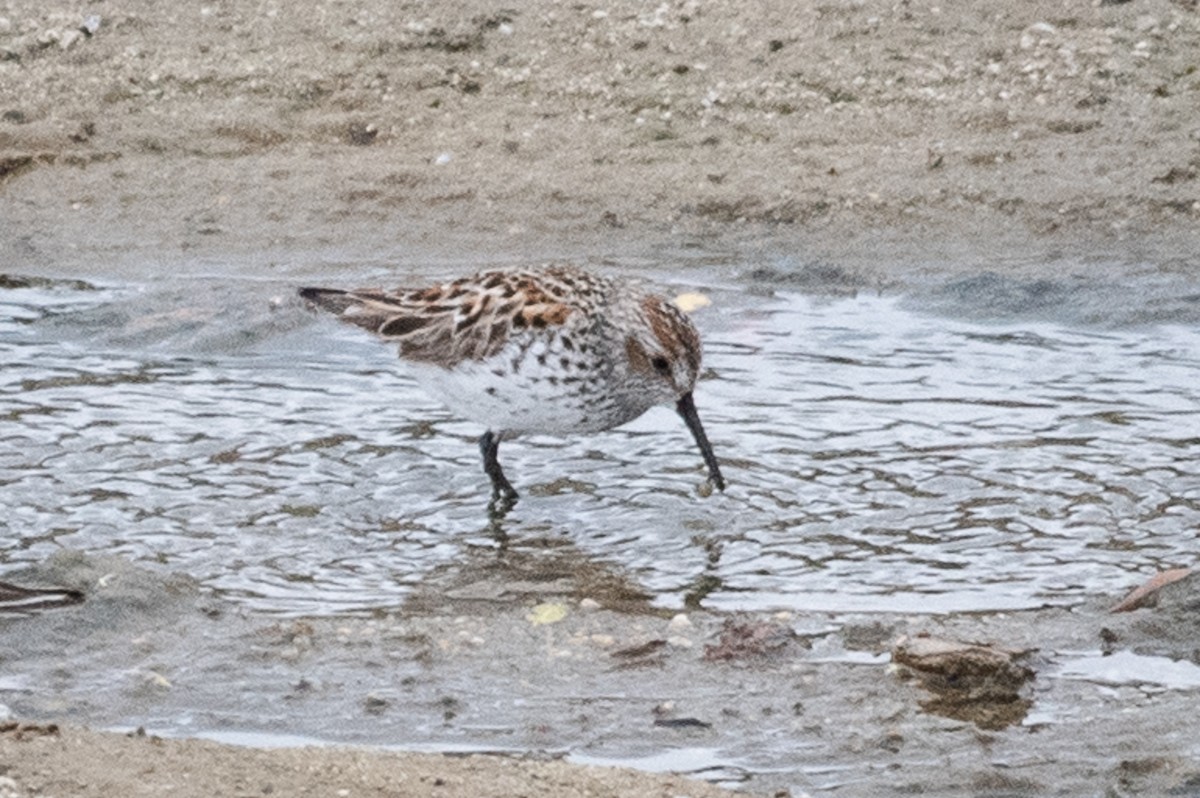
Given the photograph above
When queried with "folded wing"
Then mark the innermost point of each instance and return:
(469, 319)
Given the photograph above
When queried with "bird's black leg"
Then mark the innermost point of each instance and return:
(503, 493)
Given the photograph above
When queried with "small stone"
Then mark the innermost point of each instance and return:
(375, 704)
(679, 623)
(361, 135)
(68, 38)
(1036, 33)
(975, 670)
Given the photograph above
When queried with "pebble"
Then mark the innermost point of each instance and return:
(9, 788)
(1035, 33)
(156, 679)
(375, 704)
(679, 623)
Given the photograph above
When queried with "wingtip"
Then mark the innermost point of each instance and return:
(313, 294)
(333, 300)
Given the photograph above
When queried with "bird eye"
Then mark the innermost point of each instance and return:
(661, 365)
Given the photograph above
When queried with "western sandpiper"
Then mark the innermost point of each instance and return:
(552, 349)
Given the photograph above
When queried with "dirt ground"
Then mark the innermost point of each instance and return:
(892, 139)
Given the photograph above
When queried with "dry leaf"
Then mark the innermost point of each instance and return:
(1148, 592)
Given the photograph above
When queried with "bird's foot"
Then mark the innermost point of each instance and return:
(504, 498)
(504, 495)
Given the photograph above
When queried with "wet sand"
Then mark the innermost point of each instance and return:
(538, 648)
(890, 142)
(45, 760)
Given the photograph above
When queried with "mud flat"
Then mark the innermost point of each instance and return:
(496, 656)
(897, 139)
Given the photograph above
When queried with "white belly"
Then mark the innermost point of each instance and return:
(535, 397)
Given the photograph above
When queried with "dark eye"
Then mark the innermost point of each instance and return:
(661, 365)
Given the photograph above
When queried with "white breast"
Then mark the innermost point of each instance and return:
(532, 389)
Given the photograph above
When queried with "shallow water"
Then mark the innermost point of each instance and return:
(883, 453)
(1129, 668)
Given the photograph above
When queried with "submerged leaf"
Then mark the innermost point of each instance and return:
(547, 613)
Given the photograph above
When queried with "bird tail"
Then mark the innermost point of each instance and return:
(333, 300)
(14, 598)
(370, 309)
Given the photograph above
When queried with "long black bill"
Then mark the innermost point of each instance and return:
(687, 408)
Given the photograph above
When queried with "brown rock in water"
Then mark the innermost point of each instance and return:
(748, 640)
(975, 682)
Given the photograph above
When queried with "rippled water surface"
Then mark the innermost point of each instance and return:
(880, 455)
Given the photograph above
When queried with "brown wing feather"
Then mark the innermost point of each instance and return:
(468, 319)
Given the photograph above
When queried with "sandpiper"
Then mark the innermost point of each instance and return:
(552, 349)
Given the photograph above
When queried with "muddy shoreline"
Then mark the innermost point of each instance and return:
(895, 140)
(495, 650)
(873, 144)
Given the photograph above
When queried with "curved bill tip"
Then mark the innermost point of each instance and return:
(686, 408)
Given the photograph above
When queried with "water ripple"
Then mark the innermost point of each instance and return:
(879, 457)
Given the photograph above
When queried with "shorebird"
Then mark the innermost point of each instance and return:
(552, 349)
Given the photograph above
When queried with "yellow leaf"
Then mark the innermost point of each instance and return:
(692, 301)
(547, 613)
